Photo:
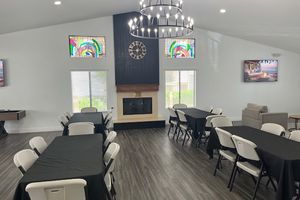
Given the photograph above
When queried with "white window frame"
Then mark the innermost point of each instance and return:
(195, 84)
(90, 84)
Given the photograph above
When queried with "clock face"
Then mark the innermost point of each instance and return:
(137, 50)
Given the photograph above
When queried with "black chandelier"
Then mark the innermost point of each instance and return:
(161, 19)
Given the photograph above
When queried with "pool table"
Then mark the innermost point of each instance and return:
(6, 115)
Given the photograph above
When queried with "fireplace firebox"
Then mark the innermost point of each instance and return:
(137, 106)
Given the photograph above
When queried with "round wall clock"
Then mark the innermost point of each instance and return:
(137, 50)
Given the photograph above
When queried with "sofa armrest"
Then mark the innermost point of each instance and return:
(277, 118)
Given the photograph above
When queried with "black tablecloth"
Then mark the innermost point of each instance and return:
(96, 118)
(281, 156)
(196, 119)
(66, 158)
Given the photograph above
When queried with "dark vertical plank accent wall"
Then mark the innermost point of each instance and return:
(128, 70)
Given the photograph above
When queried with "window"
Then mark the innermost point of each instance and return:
(180, 87)
(89, 89)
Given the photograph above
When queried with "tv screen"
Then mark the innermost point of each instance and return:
(180, 48)
(260, 70)
(1, 73)
(86, 46)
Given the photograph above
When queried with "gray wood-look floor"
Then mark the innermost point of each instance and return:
(150, 166)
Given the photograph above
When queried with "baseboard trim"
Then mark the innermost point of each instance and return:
(34, 130)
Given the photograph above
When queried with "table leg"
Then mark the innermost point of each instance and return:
(3, 132)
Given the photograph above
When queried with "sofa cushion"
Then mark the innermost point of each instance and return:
(258, 108)
(253, 114)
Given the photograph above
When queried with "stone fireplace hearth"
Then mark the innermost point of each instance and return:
(138, 106)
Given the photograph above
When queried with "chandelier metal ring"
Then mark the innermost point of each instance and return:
(161, 19)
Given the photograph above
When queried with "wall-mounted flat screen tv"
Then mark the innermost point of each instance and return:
(180, 48)
(86, 46)
(260, 70)
(1, 73)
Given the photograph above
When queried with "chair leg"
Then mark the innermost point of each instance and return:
(184, 138)
(233, 178)
(175, 132)
(231, 175)
(108, 195)
(257, 182)
(217, 165)
(272, 183)
(169, 129)
(179, 133)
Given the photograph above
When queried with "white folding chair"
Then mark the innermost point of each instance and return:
(63, 121)
(70, 189)
(208, 124)
(295, 135)
(246, 150)
(273, 128)
(24, 159)
(173, 120)
(109, 161)
(179, 105)
(210, 109)
(217, 111)
(68, 115)
(38, 144)
(221, 122)
(183, 126)
(108, 122)
(81, 128)
(226, 151)
(109, 139)
(89, 110)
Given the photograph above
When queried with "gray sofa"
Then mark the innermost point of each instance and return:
(255, 115)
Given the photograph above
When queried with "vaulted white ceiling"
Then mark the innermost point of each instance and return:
(271, 22)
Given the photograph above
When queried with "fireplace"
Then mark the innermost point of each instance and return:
(137, 106)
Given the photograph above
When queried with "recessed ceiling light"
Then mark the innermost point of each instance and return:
(222, 10)
(57, 3)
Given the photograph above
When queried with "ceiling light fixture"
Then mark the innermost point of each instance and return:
(163, 19)
(222, 10)
(57, 3)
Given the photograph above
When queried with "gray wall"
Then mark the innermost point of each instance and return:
(38, 73)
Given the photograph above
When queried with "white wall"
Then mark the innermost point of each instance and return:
(218, 64)
(38, 71)
(39, 65)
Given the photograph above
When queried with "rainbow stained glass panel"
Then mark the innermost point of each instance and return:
(180, 48)
(86, 46)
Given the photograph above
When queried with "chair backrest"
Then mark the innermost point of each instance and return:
(24, 159)
(110, 138)
(217, 111)
(110, 156)
(63, 121)
(71, 189)
(108, 121)
(295, 135)
(38, 144)
(225, 138)
(209, 109)
(81, 128)
(181, 116)
(273, 128)
(179, 105)
(172, 112)
(68, 115)
(245, 148)
(221, 122)
(89, 110)
(209, 118)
